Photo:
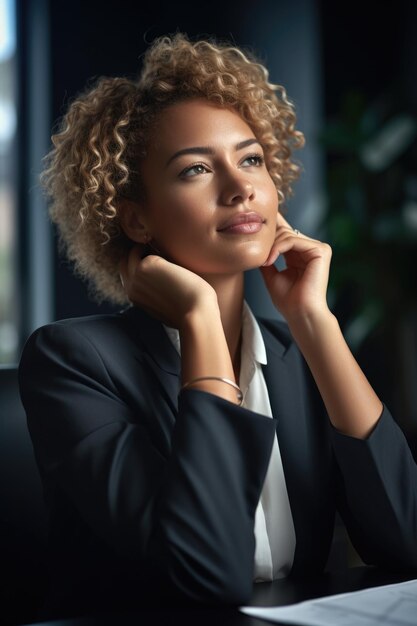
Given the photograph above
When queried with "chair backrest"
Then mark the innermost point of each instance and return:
(22, 512)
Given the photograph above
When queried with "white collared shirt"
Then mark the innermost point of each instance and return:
(274, 527)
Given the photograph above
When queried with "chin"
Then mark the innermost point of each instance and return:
(244, 264)
(226, 261)
(253, 266)
(251, 259)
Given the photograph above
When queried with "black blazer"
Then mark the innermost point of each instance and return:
(152, 492)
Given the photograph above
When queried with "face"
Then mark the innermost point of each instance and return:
(211, 204)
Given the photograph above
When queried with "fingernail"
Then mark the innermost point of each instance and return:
(271, 260)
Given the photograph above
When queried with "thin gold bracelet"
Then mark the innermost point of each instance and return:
(224, 380)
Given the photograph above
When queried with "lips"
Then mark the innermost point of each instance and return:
(248, 217)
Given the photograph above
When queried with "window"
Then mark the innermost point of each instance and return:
(8, 187)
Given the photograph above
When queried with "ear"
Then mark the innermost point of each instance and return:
(133, 221)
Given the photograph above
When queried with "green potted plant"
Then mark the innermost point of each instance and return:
(370, 219)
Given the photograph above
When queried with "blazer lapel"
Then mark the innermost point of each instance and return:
(155, 340)
(162, 362)
(296, 437)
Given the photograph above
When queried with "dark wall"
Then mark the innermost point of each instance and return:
(368, 46)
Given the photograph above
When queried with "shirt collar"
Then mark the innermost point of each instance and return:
(252, 340)
(174, 335)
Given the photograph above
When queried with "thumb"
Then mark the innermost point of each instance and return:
(268, 273)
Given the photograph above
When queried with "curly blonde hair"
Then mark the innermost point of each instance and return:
(96, 152)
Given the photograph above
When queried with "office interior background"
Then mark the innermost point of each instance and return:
(350, 70)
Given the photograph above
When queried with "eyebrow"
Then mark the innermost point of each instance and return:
(210, 150)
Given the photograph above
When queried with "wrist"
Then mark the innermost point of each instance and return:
(311, 320)
(205, 354)
(203, 315)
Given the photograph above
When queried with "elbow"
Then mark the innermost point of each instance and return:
(202, 591)
(233, 587)
(205, 581)
(204, 567)
(408, 559)
(403, 558)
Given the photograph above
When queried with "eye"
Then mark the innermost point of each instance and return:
(254, 160)
(193, 170)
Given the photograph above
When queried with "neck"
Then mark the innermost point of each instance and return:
(230, 294)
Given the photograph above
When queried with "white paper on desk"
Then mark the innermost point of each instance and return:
(393, 605)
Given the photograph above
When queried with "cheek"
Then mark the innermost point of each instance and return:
(268, 197)
(271, 193)
(179, 221)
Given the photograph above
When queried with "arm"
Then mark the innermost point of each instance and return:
(183, 300)
(299, 292)
(188, 515)
(351, 403)
(204, 351)
(377, 489)
(377, 494)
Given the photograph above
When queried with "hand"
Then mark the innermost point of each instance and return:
(299, 290)
(166, 290)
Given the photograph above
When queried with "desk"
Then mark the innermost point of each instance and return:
(276, 593)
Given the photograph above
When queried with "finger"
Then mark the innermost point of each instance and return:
(273, 255)
(283, 223)
(307, 248)
(279, 247)
(134, 260)
(283, 232)
(282, 228)
(268, 273)
(275, 281)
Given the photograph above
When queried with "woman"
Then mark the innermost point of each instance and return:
(184, 444)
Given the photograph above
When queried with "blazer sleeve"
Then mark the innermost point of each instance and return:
(378, 494)
(188, 515)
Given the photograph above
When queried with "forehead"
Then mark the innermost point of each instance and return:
(197, 123)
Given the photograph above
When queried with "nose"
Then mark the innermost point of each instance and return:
(236, 189)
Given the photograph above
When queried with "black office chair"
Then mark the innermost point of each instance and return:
(22, 512)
